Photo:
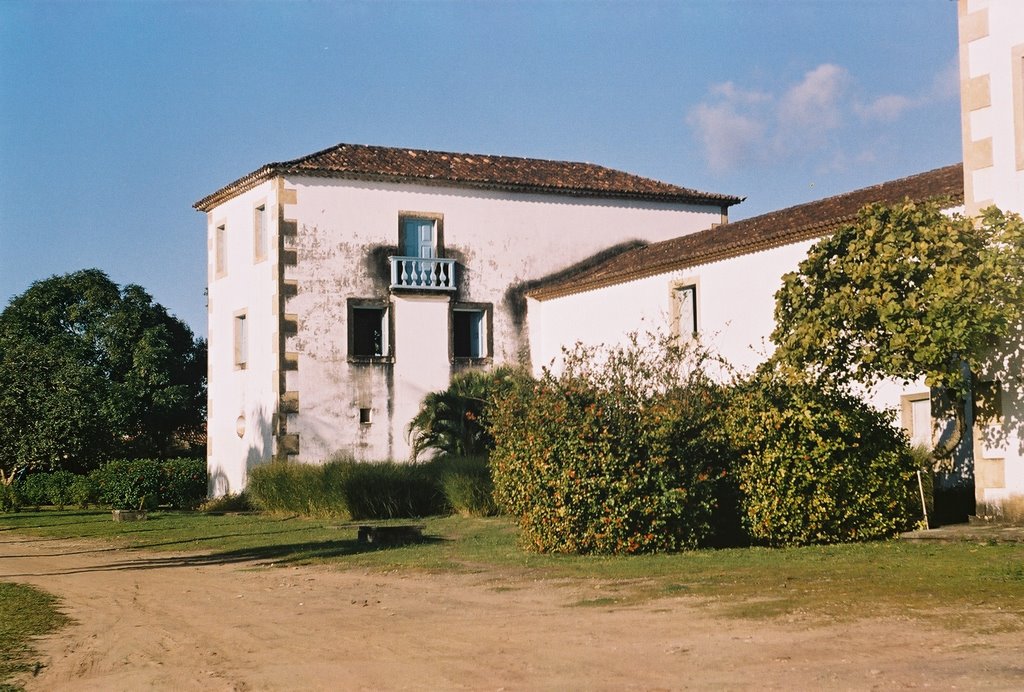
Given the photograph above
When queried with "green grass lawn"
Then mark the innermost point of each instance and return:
(24, 613)
(958, 583)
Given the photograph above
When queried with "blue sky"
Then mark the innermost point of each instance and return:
(115, 117)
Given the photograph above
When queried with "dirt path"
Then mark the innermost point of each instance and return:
(160, 621)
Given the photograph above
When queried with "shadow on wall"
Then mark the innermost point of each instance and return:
(1000, 398)
(997, 411)
(515, 297)
(217, 483)
(993, 445)
(257, 429)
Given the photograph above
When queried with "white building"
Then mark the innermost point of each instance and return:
(346, 285)
(721, 283)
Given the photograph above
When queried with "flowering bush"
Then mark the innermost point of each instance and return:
(624, 452)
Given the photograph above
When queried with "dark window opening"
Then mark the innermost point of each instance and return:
(369, 332)
(469, 338)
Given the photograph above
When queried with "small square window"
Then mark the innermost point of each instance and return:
(259, 238)
(470, 332)
(241, 341)
(364, 416)
(369, 333)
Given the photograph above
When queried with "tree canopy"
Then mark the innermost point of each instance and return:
(89, 370)
(906, 291)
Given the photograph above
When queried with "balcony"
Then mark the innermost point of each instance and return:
(423, 273)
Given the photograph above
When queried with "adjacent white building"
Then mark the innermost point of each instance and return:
(721, 284)
(346, 285)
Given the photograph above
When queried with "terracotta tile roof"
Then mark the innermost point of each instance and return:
(791, 225)
(470, 170)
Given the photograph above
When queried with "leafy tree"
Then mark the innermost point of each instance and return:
(89, 371)
(905, 292)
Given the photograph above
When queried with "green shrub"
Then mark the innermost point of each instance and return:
(42, 488)
(130, 484)
(820, 465)
(10, 498)
(347, 489)
(624, 452)
(184, 483)
(150, 483)
(84, 491)
(467, 486)
(58, 488)
(34, 490)
(123, 484)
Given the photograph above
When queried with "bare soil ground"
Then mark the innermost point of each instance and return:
(172, 621)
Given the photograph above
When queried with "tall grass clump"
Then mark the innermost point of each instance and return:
(346, 489)
(295, 488)
(386, 490)
(466, 484)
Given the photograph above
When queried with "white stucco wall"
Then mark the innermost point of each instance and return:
(997, 54)
(735, 307)
(248, 285)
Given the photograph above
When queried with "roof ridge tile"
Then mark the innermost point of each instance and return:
(488, 171)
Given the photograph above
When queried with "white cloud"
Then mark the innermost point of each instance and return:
(736, 126)
(886, 108)
(731, 92)
(814, 102)
(729, 138)
(945, 85)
